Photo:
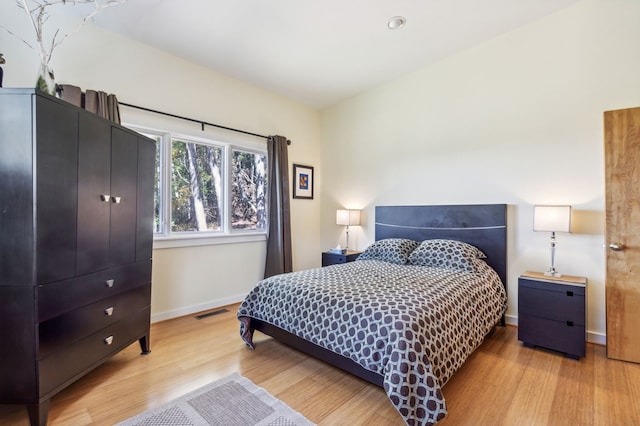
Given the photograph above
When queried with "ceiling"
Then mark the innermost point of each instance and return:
(318, 52)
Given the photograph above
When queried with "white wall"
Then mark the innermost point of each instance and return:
(517, 120)
(197, 278)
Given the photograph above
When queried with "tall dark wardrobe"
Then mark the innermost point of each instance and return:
(76, 233)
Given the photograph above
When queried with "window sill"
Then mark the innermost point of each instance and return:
(160, 242)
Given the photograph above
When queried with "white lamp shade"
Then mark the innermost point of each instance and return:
(347, 217)
(552, 218)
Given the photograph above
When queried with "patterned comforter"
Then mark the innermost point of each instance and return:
(413, 325)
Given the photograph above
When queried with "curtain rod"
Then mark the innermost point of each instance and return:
(202, 123)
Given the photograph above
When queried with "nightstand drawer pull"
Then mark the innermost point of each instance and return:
(569, 293)
(570, 323)
(109, 311)
(108, 340)
(109, 283)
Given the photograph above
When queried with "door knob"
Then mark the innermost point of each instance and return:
(615, 246)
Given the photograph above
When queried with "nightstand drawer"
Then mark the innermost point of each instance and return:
(552, 301)
(551, 334)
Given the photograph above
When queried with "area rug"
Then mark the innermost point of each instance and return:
(233, 400)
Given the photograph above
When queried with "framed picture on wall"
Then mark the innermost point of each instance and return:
(302, 181)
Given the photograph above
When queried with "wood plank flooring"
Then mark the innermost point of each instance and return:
(503, 383)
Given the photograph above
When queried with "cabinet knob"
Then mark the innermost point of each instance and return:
(616, 246)
(105, 197)
(116, 199)
(108, 340)
(109, 283)
(109, 311)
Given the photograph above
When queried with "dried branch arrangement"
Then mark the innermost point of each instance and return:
(38, 13)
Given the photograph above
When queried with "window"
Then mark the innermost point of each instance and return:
(157, 196)
(208, 188)
(196, 186)
(248, 197)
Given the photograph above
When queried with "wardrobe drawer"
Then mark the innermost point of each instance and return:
(65, 366)
(59, 332)
(63, 296)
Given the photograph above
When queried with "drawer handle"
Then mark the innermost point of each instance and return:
(570, 323)
(108, 340)
(569, 293)
(109, 311)
(105, 197)
(116, 199)
(109, 283)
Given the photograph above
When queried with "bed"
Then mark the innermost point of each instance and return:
(407, 313)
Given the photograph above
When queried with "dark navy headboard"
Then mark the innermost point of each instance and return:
(482, 225)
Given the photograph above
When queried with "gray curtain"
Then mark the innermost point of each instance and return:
(279, 259)
(103, 104)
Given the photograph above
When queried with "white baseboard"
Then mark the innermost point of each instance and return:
(511, 320)
(189, 310)
(597, 338)
(592, 337)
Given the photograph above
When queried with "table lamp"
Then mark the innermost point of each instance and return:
(552, 219)
(347, 218)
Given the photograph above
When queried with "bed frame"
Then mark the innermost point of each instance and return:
(484, 226)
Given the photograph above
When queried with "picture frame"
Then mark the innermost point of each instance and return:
(302, 182)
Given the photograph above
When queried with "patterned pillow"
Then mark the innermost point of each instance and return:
(391, 250)
(448, 254)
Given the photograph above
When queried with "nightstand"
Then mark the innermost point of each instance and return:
(552, 312)
(335, 258)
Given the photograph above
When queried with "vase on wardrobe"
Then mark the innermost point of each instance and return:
(46, 80)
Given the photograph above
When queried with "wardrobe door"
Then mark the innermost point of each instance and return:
(56, 142)
(16, 191)
(124, 180)
(94, 194)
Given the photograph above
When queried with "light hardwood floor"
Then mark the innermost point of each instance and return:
(503, 383)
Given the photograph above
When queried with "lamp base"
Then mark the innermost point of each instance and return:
(552, 273)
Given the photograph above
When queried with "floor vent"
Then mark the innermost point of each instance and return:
(212, 313)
